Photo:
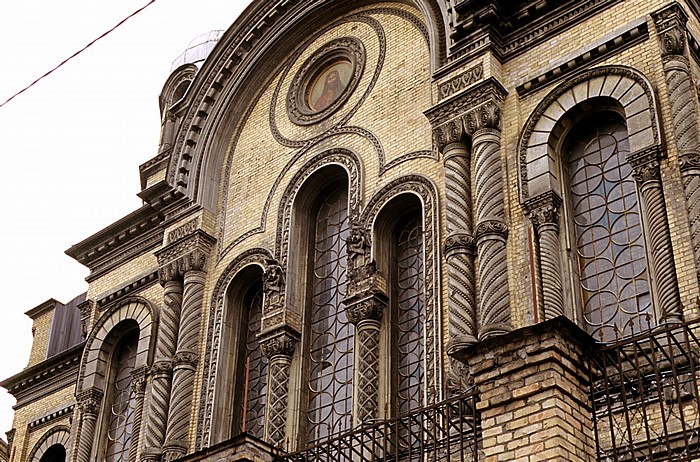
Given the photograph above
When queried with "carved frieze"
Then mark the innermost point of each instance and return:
(461, 81)
(459, 243)
(89, 401)
(670, 24)
(489, 90)
(190, 253)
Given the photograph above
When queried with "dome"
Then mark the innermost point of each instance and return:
(198, 49)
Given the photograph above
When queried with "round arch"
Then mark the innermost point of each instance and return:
(626, 87)
(58, 435)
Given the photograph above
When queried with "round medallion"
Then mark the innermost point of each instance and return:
(325, 81)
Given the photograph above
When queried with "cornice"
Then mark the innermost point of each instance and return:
(459, 104)
(125, 239)
(133, 285)
(42, 379)
(42, 308)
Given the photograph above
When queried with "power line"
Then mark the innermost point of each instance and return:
(77, 53)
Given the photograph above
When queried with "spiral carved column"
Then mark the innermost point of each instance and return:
(544, 214)
(278, 346)
(185, 366)
(645, 167)
(491, 229)
(671, 27)
(459, 244)
(138, 388)
(89, 403)
(162, 369)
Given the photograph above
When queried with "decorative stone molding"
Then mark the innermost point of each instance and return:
(461, 81)
(59, 434)
(459, 378)
(89, 403)
(280, 342)
(458, 105)
(86, 308)
(670, 24)
(274, 284)
(190, 253)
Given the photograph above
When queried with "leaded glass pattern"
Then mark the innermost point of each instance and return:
(331, 336)
(614, 281)
(410, 316)
(122, 401)
(255, 370)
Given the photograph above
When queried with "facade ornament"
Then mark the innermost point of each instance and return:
(459, 243)
(359, 247)
(89, 401)
(486, 116)
(491, 228)
(274, 286)
(280, 342)
(86, 308)
(448, 133)
(459, 378)
(671, 26)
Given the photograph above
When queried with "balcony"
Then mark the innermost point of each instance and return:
(644, 393)
(448, 431)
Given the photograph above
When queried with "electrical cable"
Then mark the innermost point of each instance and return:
(77, 53)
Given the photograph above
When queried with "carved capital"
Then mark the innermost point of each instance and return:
(690, 162)
(138, 380)
(671, 26)
(645, 165)
(86, 309)
(89, 401)
(448, 133)
(169, 272)
(459, 242)
(162, 367)
(186, 358)
(368, 307)
(490, 228)
(544, 209)
(488, 90)
(281, 341)
(486, 116)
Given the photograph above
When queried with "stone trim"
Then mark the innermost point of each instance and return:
(56, 435)
(133, 285)
(48, 418)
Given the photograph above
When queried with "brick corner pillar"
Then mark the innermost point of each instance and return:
(534, 393)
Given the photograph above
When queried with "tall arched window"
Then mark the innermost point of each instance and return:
(121, 401)
(409, 313)
(608, 256)
(55, 453)
(330, 337)
(254, 366)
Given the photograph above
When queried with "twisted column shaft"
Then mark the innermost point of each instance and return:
(166, 342)
(459, 248)
(138, 386)
(544, 214)
(89, 404)
(186, 358)
(671, 25)
(491, 232)
(649, 181)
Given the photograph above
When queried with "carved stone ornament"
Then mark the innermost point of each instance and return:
(162, 367)
(543, 209)
(369, 308)
(459, 378)
(281, 341)
(191, 253)
(186, 358)
(89, 401)
(462, 81)
(448, 133)
(273, 285)
(325, 81)
(458, 105)
(690, 162)
(671, 25)
(138, 380)
(359, 247)
(85, 308)
(491, 227)
(487, 116)
(673, 42)
(459, 243)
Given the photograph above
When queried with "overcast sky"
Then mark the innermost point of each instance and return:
(72, 144)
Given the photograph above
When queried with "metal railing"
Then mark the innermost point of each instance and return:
(447, 431)
(644, 392)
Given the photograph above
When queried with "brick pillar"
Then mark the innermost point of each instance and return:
(534, 394)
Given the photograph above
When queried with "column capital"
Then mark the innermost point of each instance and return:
(459, 105)
(459, 242)
(138, 379)
(670, 23)
(486, 116)
(89, 401)
(543, 209)
(188, 253)
(645, 165)
(281, 341)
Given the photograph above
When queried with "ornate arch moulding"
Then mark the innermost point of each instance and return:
(56, 435)
(234, 59)
(538, 162)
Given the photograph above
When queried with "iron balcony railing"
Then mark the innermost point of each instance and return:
(644, 392)
(447, 431)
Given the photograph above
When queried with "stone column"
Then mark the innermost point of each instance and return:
(278, 346)
(162, 369)
(491, 230)
(645, 167)
(89, 403)
(138, 388)
(671, 29)
(459, 245)
(544, 214)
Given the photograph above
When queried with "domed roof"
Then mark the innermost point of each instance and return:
(198, 49)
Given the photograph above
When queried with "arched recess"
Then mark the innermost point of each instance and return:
(219, 368)
(401, 194)
(539, 163)
(56, 436)
(107, 331)
(624, 97)
(230, 80)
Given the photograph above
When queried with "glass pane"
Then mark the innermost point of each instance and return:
(331, 340)
(255, 370)
(614, 282)
(122, 399)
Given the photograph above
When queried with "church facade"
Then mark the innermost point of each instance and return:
(440, 230)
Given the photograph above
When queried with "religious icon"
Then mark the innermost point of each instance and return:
(329, 85)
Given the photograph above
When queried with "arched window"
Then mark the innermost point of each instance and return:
(606, 250)
(330, 334)
(254, 366)
(121, 401)
(409, 313)
(55, 453)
